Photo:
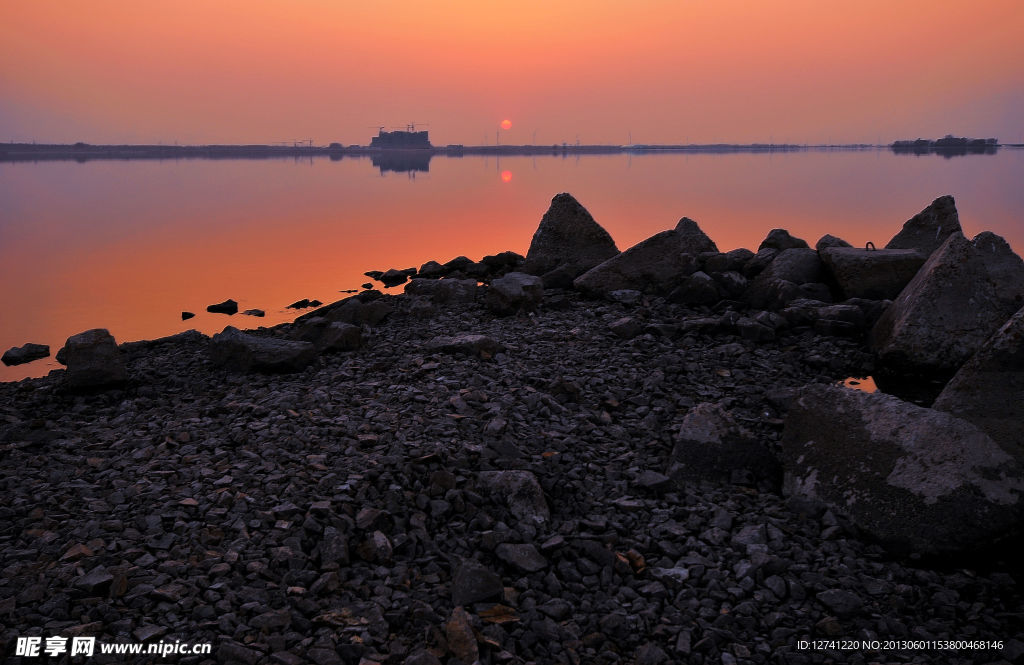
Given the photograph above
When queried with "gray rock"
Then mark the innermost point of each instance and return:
(829, 241)
(732, 260)
(525, 557)
(444, 291)
(843, 603)
(779, 283)
(927, 230)
(515, 291)
(627, 327)
(467, 343)
(710, 445)
(989, 389)
(229, 306)
(918, 480)
(781, 240)
(245, 352)
(328, 335)
(367, 308)
(93, 360)
(877, 275)
(697, 289)
(962, 295)
(473, 583)
(19, 355)
(653, 265)
(568, 238)
(519, 491)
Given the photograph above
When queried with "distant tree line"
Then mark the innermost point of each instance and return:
(948, 145)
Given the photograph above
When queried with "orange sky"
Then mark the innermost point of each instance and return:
(196, 71)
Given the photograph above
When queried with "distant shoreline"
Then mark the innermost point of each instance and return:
(21, 152)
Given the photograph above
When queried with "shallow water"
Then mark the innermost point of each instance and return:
(129, 245)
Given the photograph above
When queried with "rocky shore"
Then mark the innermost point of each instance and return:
(578, 456)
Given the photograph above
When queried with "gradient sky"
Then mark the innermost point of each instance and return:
(227, 71)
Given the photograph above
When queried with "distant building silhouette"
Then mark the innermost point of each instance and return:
(400, 140)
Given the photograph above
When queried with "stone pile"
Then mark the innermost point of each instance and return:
(519, 473)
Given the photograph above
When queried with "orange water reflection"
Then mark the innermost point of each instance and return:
(129, 245)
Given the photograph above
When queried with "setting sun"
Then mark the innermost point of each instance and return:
(506, 124)
(506, 176)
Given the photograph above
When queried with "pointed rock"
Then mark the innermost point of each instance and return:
(780, 239)
(963, 293)
(654, 265)
(927, 230)
(989, 389)
(568, 238)
(877, 275)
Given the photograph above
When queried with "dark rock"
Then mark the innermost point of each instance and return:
(652, 480)
(710, 445)
(466, 343)
(444, 291)
(962, 295)
(525, 557)
(431, 270)
(568, 237)
(93, 360)
(19, 355)
(503, 262)
(328, 335)
(778, 284)
(96, 582)
(227, 307)
(988, 390)
(515, 291)
(696, 289)
(304, 303)
(367, 308)
(458, 264)
(461, 638)
(843, 603)
(255, 312)
(473, 583)
(654, 265)
(757, 263)
(828, 241)
(520, 491)
(877, 275)
(421, 657)
(781, 240)
(917, 480)
(245, 352)
(627, 327)
(232, 652)
(185, 316)
(928, 230)
(394, 277)
(733, 260)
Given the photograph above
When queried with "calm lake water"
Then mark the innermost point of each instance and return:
(129, 245)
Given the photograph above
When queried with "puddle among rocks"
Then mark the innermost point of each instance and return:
(920, 390)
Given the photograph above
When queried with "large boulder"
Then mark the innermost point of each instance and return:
(653, 265)
(919, 481)
(710, 445)
(93, 360)
(927, 230)
(513, 292)
(876, 275)
(237, 350)
(784, 279)
(989, 389)
(568, 238)
(963, 293)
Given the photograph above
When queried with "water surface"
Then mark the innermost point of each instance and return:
(129, 245)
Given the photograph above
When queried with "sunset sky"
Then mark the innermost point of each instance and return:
(800, 71)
